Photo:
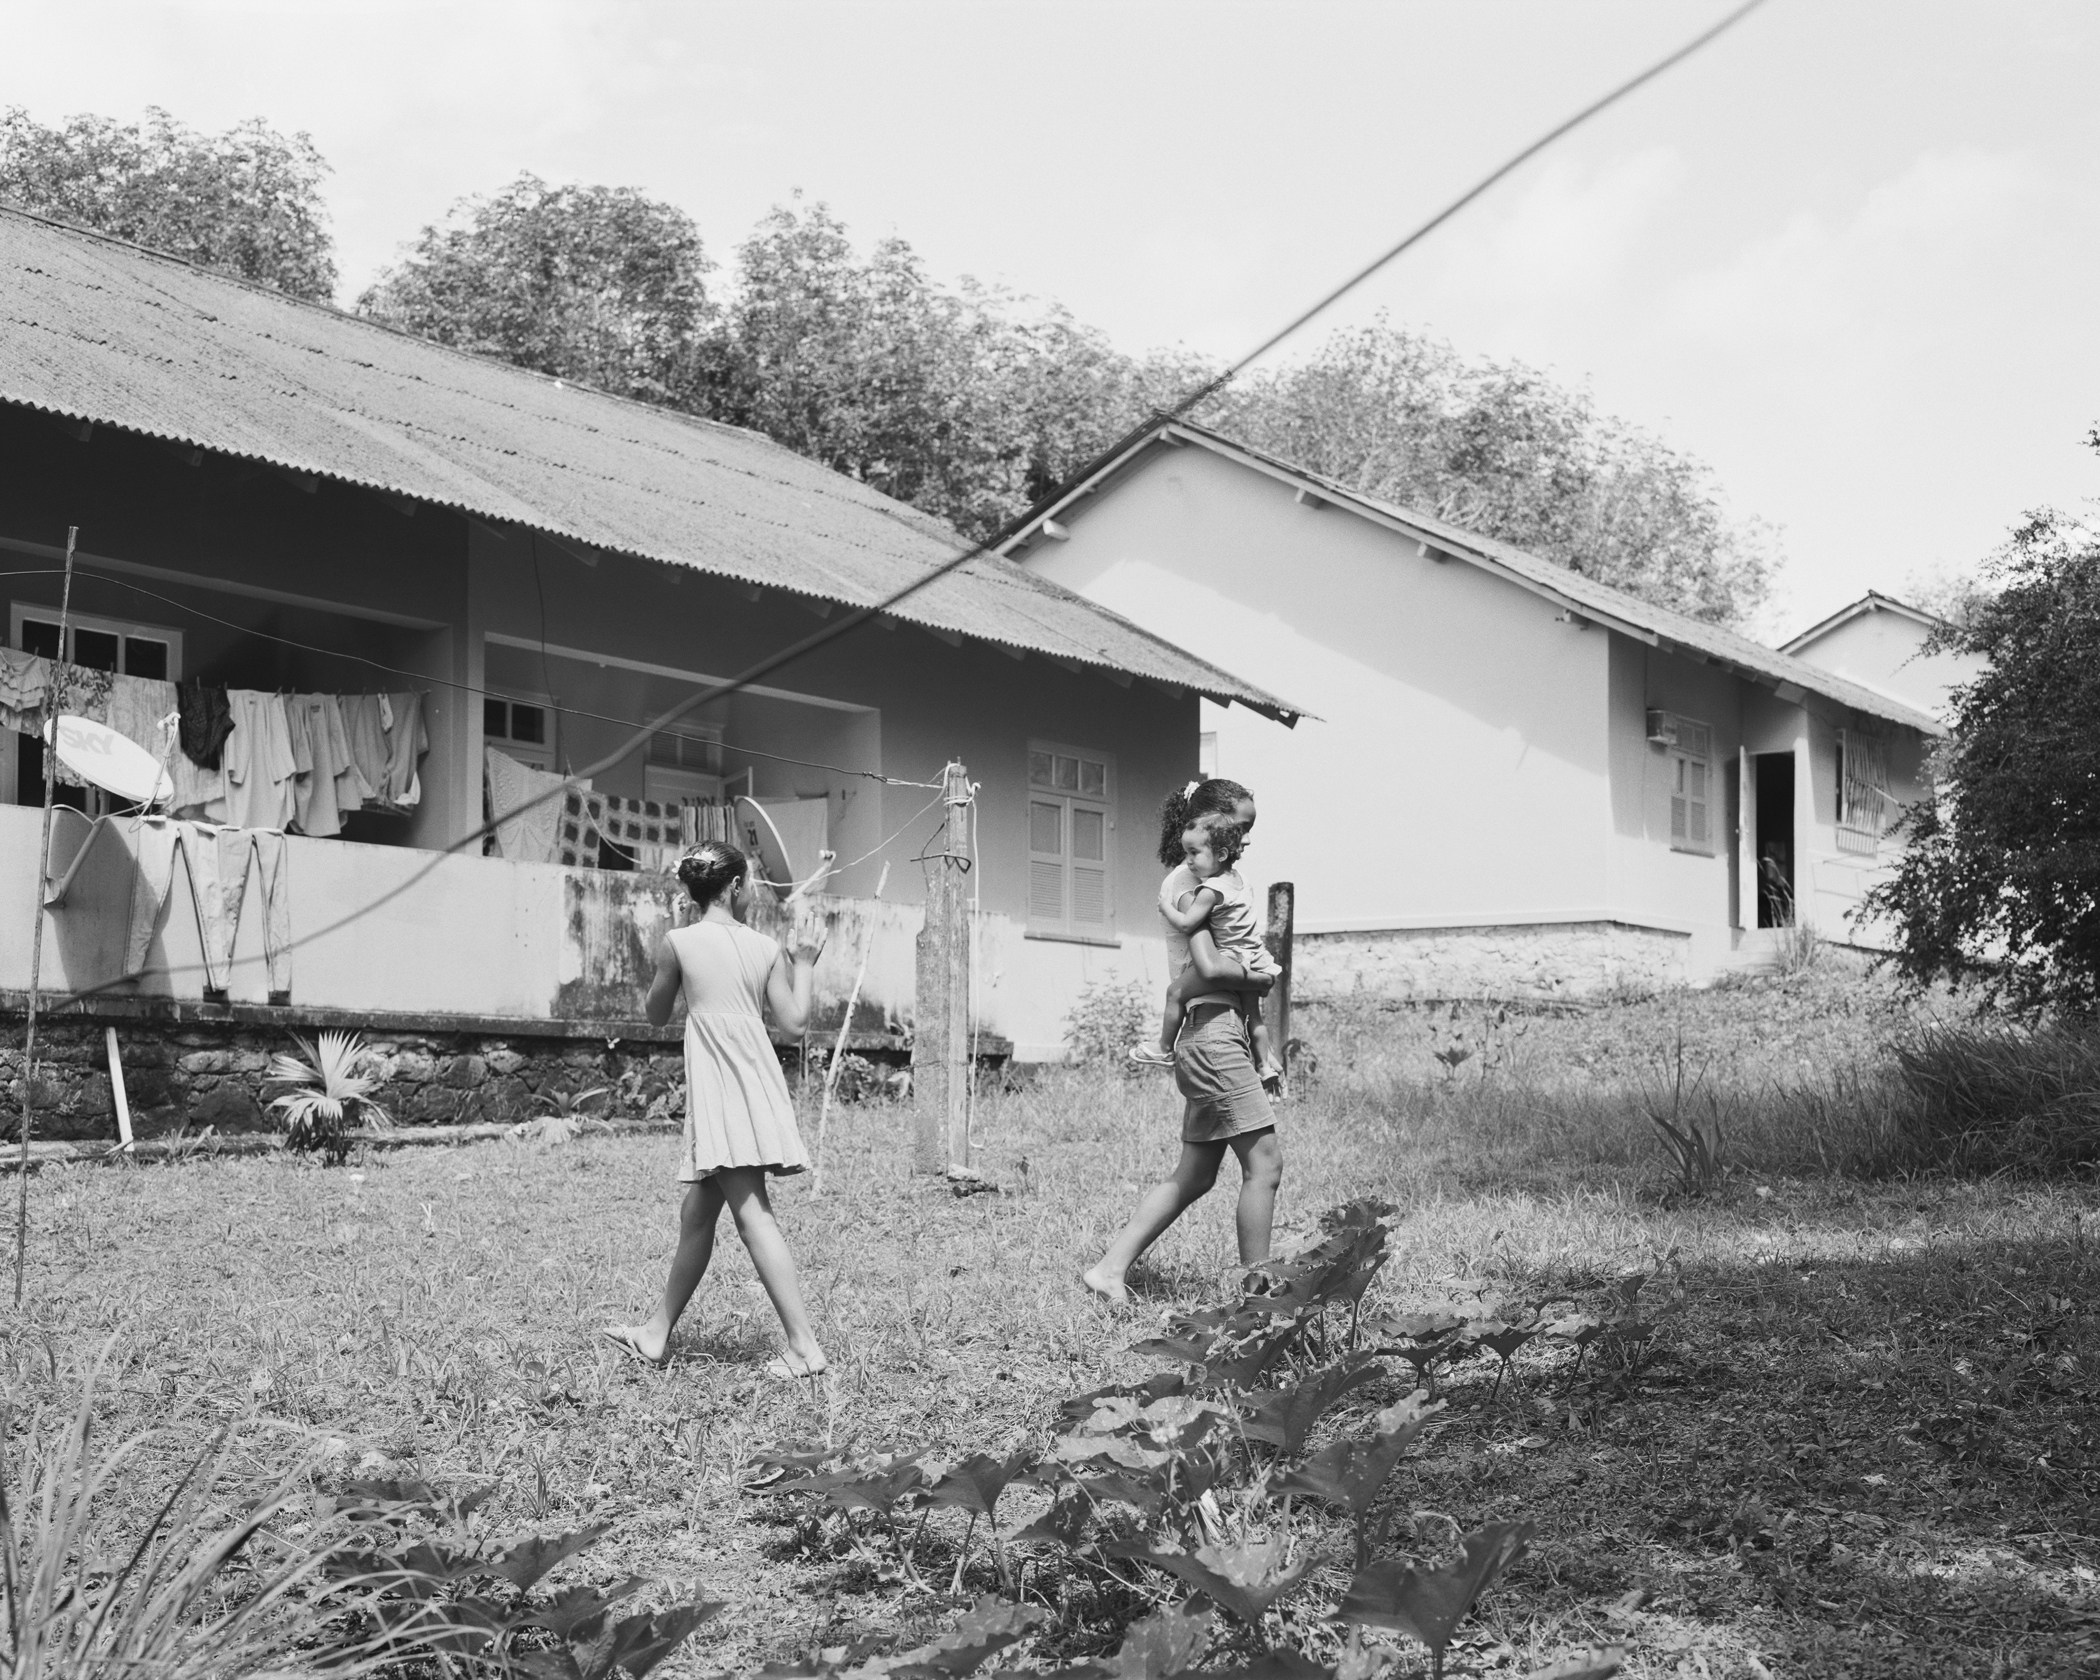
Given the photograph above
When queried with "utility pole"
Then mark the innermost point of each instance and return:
(940, 1056)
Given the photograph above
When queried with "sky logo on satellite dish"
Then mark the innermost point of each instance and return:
(102, 758)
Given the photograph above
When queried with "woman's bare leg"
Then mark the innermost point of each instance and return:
(752, 1209)
(696, 1246)
(1165, 1202)
(1261, 1170)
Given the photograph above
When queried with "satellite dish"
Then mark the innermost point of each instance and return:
(102, 758)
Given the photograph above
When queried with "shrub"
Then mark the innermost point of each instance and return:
(328, 1095)
(1108, 1018)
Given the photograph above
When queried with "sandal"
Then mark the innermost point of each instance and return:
(622, 1337)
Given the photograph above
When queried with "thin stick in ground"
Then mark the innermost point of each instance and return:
(61, 672)
(838, 1049)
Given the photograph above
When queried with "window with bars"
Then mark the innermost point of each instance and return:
(1071, 815)
(1689, 747)
(1863, 802)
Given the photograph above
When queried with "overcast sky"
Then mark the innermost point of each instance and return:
(1848, 255)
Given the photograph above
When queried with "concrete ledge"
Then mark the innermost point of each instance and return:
(1526, 961)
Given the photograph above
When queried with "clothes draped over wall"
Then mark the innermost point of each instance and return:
(217, 861)
(243, 757)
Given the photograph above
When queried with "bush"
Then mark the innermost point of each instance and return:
(1108, 1018)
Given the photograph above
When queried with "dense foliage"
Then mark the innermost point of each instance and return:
(971, 404)
(1999, 884)
(247, 201)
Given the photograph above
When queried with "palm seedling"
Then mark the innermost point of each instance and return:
(328, 1095)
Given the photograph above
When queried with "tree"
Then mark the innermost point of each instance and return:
(247, 201)
(1502, 450)
(1999, 884)
(601, 285)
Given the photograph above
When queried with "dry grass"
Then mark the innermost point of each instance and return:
(1867, 1448)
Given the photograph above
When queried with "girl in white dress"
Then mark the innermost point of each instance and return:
(739, 1118)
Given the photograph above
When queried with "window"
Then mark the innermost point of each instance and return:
(1689, 751)
(102, 644)
(522, 728)
(1863, 802)
(1071, 813)
(1207, 754)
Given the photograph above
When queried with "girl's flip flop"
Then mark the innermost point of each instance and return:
(623, 1338)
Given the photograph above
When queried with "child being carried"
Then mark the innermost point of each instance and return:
(1207, 892)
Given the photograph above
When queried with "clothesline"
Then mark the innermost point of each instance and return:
(445, 682)
(245, 757)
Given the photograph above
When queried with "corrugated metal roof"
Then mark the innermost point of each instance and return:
(1578, 594)
(95, 329)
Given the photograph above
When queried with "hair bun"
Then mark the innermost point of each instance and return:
(710, 869)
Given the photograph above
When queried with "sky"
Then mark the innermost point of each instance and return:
(1845, 255)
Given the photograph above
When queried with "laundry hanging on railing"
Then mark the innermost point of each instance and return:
(245, 757)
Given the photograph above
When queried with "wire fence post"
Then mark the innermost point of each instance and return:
(1276, 1007)
(54, 703)
(940, 1054)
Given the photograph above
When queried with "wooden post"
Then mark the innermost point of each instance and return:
(116, 1088)
(1276, 1007)
(940, 1055)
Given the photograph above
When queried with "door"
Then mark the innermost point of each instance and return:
(1774, 796)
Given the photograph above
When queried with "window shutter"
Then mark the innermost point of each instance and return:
(1089, 867)
(1046, 861)
(1699, 832)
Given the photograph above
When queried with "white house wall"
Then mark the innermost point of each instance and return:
(1885, 651)
(1456, 771)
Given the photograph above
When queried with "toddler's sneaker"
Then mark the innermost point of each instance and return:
(1272, 1079)
(1150, 1055)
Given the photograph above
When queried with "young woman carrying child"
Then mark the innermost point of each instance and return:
(739, 1118)
(1214, 1068)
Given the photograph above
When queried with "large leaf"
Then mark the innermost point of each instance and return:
(991, 1625)
(1271, 1665)
(638, 1643)
(531, 1558)
(1428, 1604)
(1241, 1362)
(1064, 1524)
(1168, 1642)
(1082, 1406)
(1245, 1578)
(569, 1611)
(1351, 1474)
(1285, 1417)
(977, 1482)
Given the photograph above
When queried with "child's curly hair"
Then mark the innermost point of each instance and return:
(1228, 839)
(1214, 798)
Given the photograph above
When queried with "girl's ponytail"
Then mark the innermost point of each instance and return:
(1174, 813)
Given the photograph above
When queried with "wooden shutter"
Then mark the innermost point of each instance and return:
(1046, 861)
(1090, 907)
(1691, 785)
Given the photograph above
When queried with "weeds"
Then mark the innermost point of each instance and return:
(1107, 1019)
(328, 1095)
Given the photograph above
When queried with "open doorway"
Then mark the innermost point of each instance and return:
(1775, 839)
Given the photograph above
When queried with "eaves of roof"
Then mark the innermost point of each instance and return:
(1580, 596)
(93, 329)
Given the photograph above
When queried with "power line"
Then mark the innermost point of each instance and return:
(858, 616)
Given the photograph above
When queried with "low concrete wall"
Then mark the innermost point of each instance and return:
(390, 931)
(1531, 961)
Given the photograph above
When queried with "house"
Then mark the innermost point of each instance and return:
(1511, 780)
(283, 499)
(1879, 643)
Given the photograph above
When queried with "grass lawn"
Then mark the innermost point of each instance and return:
(1866, 1447)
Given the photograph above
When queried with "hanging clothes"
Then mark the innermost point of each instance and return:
(207, 719)
(77, 692)
(236, 849)
(531, 835)
(368, 743)
(258, 761)
(322, 749)
(136, 707)
(25, 686)
(407, 741)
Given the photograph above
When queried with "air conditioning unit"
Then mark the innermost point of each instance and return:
(1662, 729)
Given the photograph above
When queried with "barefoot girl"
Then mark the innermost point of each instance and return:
(1215, 1071)
(739, 1119)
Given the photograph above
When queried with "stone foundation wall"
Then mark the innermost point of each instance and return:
(1531, 961)
(185, 1077)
